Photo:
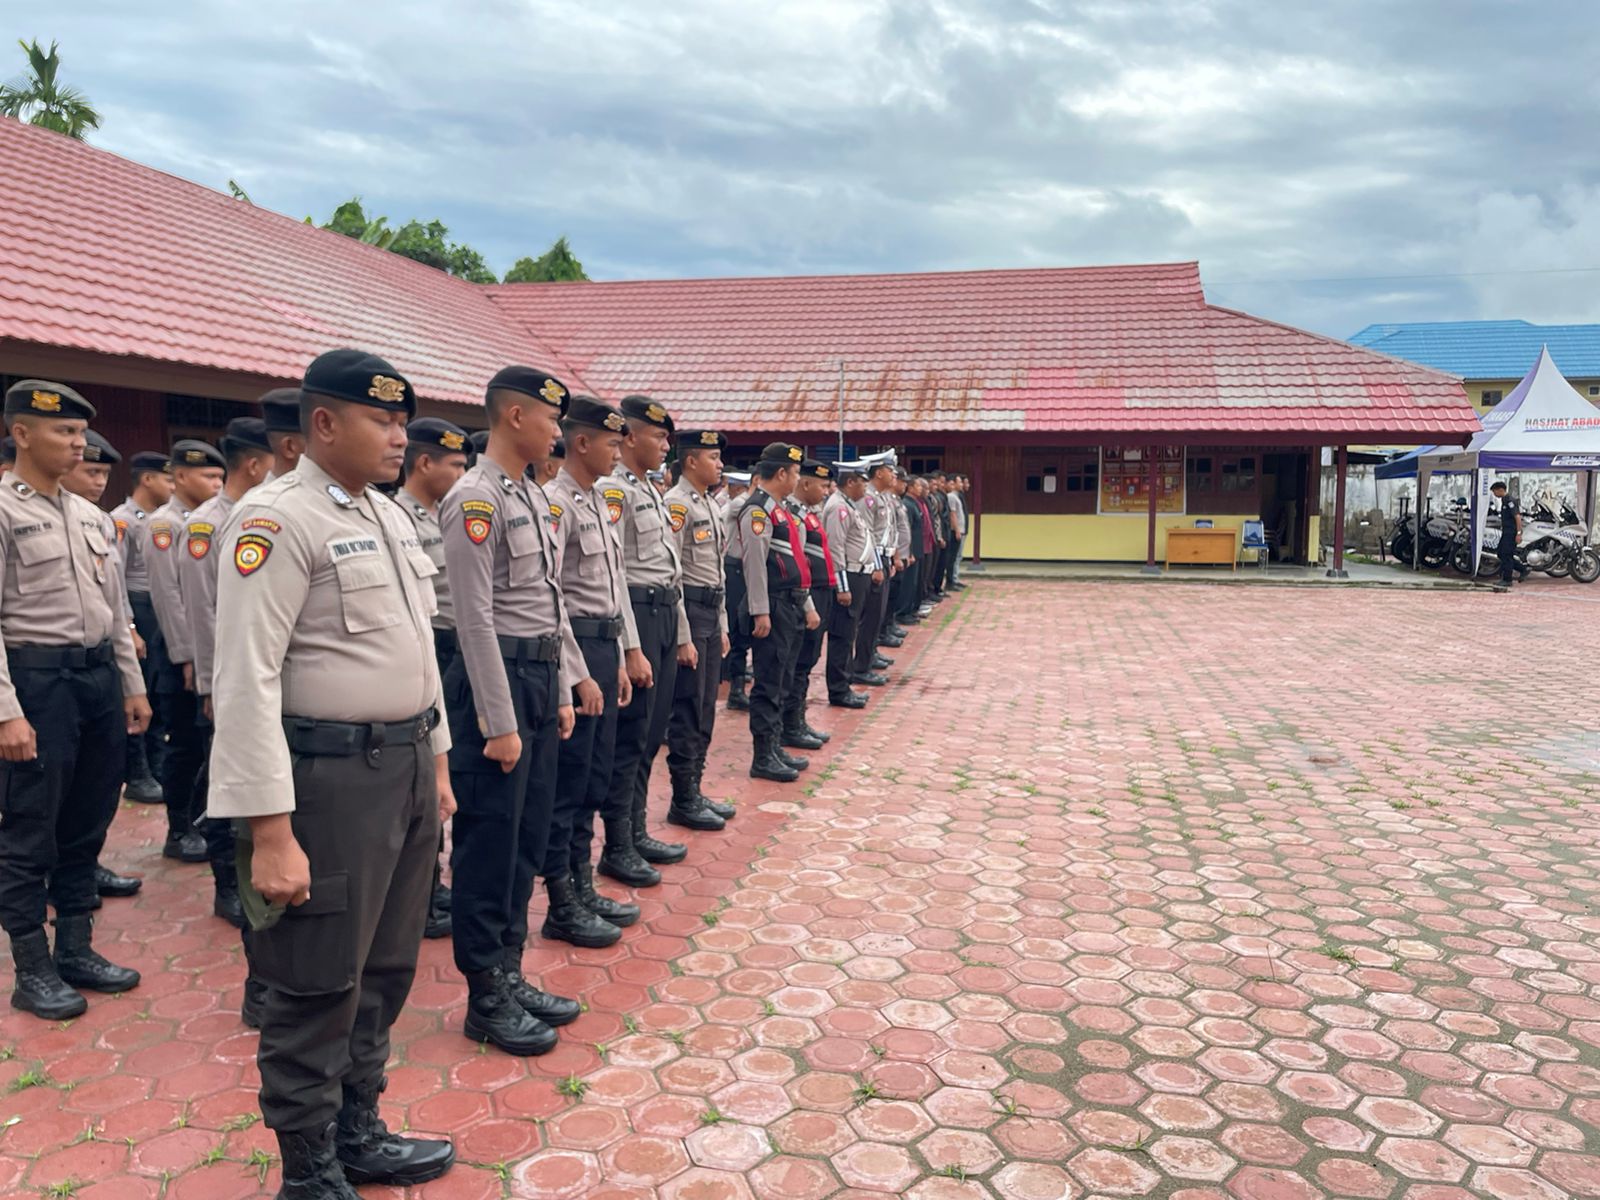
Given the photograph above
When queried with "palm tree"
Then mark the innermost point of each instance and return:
(39, 100)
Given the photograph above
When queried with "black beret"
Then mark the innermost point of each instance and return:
(40, 398)
(149, 460)
(479, 441)
(642, 408)
(281, 408)
(781, 454)
(814, 469)
(701, 439)
(533, 383)
(245, 433)
(8, 450)
(359, 378)
(190, 452)
(596, 414)
(98, 450)
(438, 434)
(559, 450)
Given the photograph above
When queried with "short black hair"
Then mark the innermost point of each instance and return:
(1498, 483)
(311, 401)
(416, 450)
(771, 470)
(240, 453)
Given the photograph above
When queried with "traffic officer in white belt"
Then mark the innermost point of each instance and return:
(70, 692)
(702, 542)
(152, 487)
(596, 593)
(436, 458)
(330, 755)
(197, 471)
(828, 589)
(655, 587)
(857, 555)
(510, 702)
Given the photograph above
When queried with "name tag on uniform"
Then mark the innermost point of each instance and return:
(342, 548)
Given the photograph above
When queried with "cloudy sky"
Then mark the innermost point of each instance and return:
(1329, 164)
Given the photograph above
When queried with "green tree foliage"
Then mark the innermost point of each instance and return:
(39, 98)
(556, 265)
(429, 242)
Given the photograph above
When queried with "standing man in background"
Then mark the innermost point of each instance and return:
(152, 487)
(845, 524)
(280, 408)
(829, 586)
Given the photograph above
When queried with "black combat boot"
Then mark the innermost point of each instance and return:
(738, 698)
(225, 902)
(108, 883)
(686, 809)
(185, 845)
(824, 738)
(78, 964)
(618, 912)
(39, 988)
(540, 1005)
(794, 734)
(494, 1016)
(767, 765)
(567, 920)
(849, 700)
(253, 1009)
(311, 1166)
(721, 807)
(369, 1153)
(620, 861)
(796, 762)
(869, 678)
(139, 784)
(654, 850)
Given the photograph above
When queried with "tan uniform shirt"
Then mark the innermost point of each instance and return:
(649, 547)
(163, 543)
(426, 521)
(901, 521)
(880, 509)
(60, 585)
(108, 528)
(590, 553)
(702, 539)
(197, 583)
(848, 537)
(323, 606)
(130, 521)
(500, 553)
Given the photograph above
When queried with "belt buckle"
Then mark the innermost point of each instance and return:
(420, 730)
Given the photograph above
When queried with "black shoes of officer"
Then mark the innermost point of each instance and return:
(40, 989)
(108, 883)
(616, 911)
(438, 922)
(620, 861)
(540, 1005)
(189, 847)
(738, 698)
(796, 762)
(800, 738)
(311, 1169)
(869, 678)
(568, 920)
(225, 903)
(77, 963)
(654, 850)
(767, 765)
(687, 811)
(253, 1008)
(881, 662)
(897, 631)
(144, 790)
(723, 809)
(369, 1153)
(848, 700)
(495, 1016)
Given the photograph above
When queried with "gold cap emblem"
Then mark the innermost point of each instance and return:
(553, 392)
(46, 401)
(194, 456)
(615, 423)
(709, 438)
(822, 472)
(452, 441)
(794, 454)
(387, 389)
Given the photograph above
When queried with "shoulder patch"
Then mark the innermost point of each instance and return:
(614, 498)
(250, 552)
(477, 517)
(679, 514)
(758, 520)
(555, 517)
(266, 523)
(200, 538)
(161, 534)
(122, 529)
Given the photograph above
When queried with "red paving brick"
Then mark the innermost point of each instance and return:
(1117, 891)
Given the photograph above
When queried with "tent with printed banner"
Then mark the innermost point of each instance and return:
(1543, 425)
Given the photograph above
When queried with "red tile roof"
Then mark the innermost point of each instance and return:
(110, 257)
(102, 254)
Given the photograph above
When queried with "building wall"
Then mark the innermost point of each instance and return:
(1588, 388)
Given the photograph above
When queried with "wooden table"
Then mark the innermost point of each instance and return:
(1211, 547)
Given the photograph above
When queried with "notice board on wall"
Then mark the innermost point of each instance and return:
(1125, 480)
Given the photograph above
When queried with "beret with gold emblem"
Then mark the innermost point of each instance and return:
(191, 452)
(701, 439)
(595, 414)
(36, 397)
(540, 386)
(813, 468)
(359, 378)
(97, 450)
(281, 409)
(781, 454)
(647, 411)
(149, 460)
(437, 434)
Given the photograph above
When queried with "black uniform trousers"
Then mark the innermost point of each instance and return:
(1507, 553)
(911, 587)
(149, 748)
(843, 623)
(642, 725)
(773, 657)
(55, 810)
(186, 746)
(737, 665)
(874, 605)
(339, 967)
(583, 768)
(501, 827)
(694, 696)
(809, 654)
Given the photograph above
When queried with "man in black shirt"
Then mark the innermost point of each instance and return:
(1510, 533)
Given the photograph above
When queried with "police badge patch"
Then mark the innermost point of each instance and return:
(200, 539)
(758, 521)
(161, 535)
(679, 514)
(476, 516)
(614, 501)
(250, 552)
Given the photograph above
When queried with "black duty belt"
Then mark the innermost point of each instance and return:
(793, 593)
(605, 628)
(52, 658)
(546, 648)
(444, 642)
(654, 596)
(344, 739)
(703, 595)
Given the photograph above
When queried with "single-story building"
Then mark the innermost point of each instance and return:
(1094, 408)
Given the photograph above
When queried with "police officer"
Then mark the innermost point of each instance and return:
(70, 690)
(249, 460)
(596, 592)
(663, 641)
(152, 487)
(900, 553)
(736, 666)
(330, 755)
(857, 556)
(876, 502)
(510, 690)
(828, 587)
(1510, 534)
(197, 471)
(280, 408)
(702, 542)
(768, 554)
(436, 458)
